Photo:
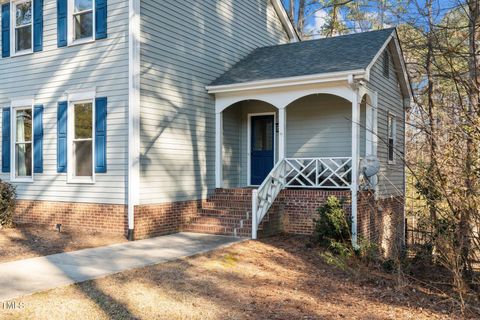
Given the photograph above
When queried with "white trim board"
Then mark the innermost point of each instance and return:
(286, 82)
(287, 24)
(133, 193)
(249, 142)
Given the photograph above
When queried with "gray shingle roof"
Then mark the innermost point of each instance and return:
(343, 53)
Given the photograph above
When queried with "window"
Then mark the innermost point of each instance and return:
(22, 35)
(23, 143)
(386, 64)
(82, 13)
(391, 128)
(81, 134)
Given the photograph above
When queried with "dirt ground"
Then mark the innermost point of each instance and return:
(29, 241)
(277, 278)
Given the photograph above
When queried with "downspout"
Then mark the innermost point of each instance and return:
(133, 113)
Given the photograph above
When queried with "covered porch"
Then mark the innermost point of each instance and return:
(295, 135)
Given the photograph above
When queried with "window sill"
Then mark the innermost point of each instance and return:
(89, 181)
(21, 53)
(392, 162)
(22, 180)
(80, 42)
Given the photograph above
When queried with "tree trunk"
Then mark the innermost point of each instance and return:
(301, 16)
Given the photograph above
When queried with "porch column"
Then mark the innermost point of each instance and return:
(371, 125)
(355, 160)
(282, 133)
(218, 150)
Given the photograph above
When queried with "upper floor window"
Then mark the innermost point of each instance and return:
(22, 35)
(83, 19)
(392, 132)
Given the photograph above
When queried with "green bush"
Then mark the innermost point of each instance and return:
(7, 203)
(333, 227)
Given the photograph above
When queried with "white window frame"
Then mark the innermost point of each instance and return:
(70, 33)
(13, 23)
(76, 98)
(394, 129)
(16, 105)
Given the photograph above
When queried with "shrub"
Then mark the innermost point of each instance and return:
(7, 203)
(333, 227)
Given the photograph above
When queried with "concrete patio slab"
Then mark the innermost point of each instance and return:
(24, 277)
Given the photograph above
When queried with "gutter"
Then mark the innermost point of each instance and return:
(289, 81)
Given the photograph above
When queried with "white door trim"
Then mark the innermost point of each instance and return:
(249, 142)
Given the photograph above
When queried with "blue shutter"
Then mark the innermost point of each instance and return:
(6, 30)
(62, 6)
(38, 139)
(62, 137)
(6, 140)
(37, 25)
(101, 19)
(101, 135)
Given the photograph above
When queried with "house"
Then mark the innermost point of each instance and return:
(150, 117)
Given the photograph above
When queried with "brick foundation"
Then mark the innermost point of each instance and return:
(161, 219)
(300, 208)
(379, 221)
(382, 222)
(150, 220)
(226, 212)
(91, 217)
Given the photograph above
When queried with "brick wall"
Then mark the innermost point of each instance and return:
(300, 208)
(379, 221)
(150, 220)
(84, 216)
(382, 222)
(160, 219)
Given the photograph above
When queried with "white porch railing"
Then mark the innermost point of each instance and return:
(312, 173)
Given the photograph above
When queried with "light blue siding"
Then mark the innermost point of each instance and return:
(185, 46)
(390, 99)
(48, 76)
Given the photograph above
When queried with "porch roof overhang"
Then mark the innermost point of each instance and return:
(282, 92)
(333, 66)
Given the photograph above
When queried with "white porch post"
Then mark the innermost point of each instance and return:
(355, 160)
(369, 129)
(282, 133)
(218, 150)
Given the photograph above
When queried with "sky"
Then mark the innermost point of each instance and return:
(318, 18)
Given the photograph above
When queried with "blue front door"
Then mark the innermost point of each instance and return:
(262, 148)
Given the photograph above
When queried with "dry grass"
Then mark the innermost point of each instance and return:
(278, 278)
(29, 241)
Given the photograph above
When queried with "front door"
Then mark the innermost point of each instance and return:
(262, 148)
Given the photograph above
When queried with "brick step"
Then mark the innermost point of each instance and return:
(213, 220)
(227, 205)
(234, 191)
(209, 229)
(230, 198)
(241, 214)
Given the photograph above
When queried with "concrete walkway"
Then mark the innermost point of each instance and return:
(24, 277)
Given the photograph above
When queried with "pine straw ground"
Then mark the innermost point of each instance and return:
(277, 278)
(28, 241)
